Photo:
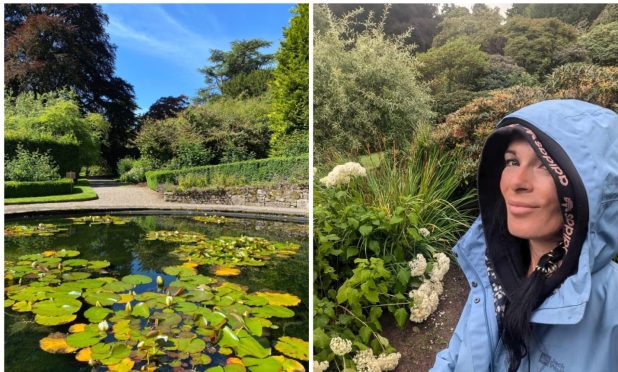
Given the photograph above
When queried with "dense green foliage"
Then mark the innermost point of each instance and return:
(64, 153)
(602, 43)
(534, 43)
(15, 189)
(49, 47)
(481, 26)
(81, 192)
(30, 166)
(457, 64)
(289, 118)
(165, 107)
(581, 15)
(357, 100)
(245, 172)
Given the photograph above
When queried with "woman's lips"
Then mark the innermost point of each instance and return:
(517, 209)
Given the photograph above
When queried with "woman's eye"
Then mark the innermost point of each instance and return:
(510, 162)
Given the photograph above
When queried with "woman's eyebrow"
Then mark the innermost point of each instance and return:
(512, 152)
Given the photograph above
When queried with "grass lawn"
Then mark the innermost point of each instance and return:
(81, 192)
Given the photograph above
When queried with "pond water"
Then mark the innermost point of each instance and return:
(128, 251)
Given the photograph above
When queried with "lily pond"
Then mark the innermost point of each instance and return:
(155, 293)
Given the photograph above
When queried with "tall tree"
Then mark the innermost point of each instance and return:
(242, 70)
(289, 119)
(53, 46)
(581, 15)
(166, 107)
(422, 18)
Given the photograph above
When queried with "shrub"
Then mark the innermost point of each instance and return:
(64, 152)
(135, 170)
(366, 87)
(245, 172)
(602, 43)
(30, 166)
(125, 165)
(591, 83)
(14, 189)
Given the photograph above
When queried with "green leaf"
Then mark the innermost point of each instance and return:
(179, 271)
(254, 325)
(102, 297)
(365, 230)
(293, 347)
(136, 279)
(96, 314)
(395, 220)
(54, 320)
(365, 333)
(248, 345)
(269, 311)
(190, 346)
(86, 338)
(141, 309)
(262, 365)
(75, 276)
(403, 275)
(401, 315)
(66, 306)
(228, 338)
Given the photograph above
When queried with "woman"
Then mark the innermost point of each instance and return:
(544, 291)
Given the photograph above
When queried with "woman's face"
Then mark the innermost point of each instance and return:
(529, 191)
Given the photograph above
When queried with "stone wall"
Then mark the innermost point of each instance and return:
(282, 195)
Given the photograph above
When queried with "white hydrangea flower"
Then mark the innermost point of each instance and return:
(424, 232)
(426, 300)
(365, 361)
(340, 346)
(320, 366)
(343, 173)
(418, 265)
(388, 362)
(440, 267)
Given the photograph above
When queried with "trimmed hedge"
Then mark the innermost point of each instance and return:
(65, 154)
(247, 172)
(15, 189)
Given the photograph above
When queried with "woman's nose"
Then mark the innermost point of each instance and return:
(522, 179)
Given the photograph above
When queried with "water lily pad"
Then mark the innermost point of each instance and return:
(84, 355)
(117, 286)
(179, 271)
(136, 279)
(75, 262)
(75, 276)
(289, 365)
(65, 306)
(195, 345)
(250, 346)
(185, 307)
(98, 264)
(102, 297)
(125, 365)
(8, 302)
(22, 306)
(293, 347)
(78, 327)
(96, 314)
(54, 320)
(141, 309)
(67, 253)
(262, 365)
(269, 311)
(56, 343)
(226, 271)
(279, 298)
(86, 338)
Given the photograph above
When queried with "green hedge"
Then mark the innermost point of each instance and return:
(14, 189)
(65, 154)
(251, 171)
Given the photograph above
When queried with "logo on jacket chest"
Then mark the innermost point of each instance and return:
(548, 361)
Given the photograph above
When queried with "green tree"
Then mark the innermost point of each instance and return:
(56, 115)
(367, 93)
(166, 107)
(242, 62)
(602, 43)
(458, 64)
(54, 46)
(289, 118)
(481, 26)
(608, 15)
(534, 43)
(581, 15)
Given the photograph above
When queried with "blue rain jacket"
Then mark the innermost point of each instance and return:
(576, 327)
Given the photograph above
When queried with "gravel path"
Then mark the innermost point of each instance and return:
(118, 196)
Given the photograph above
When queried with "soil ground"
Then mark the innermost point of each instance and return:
(419, 343)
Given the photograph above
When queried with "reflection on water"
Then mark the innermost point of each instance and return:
(129, 253)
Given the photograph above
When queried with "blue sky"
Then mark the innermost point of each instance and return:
(161, 46)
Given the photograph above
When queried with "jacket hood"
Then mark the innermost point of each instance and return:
(578, 142)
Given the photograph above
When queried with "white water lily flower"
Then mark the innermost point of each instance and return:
(103, 326)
